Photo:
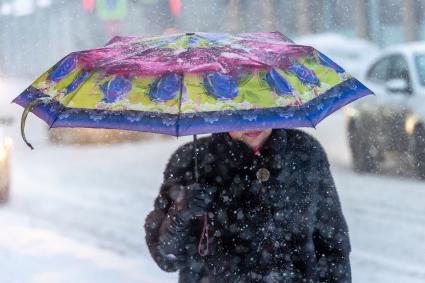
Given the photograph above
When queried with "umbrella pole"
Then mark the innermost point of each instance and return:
(195, 141)
(204, 234)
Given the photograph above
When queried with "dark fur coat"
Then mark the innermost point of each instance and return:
(289, 228)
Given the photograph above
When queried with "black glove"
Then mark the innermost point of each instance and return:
(198, 199)
(190, 202)
(175, 235)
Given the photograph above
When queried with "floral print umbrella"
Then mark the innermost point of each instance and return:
(192, 83)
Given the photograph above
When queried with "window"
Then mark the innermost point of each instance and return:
(342, 15)
(420, 67)
(379, 71)
(398, 68)
(390, 12)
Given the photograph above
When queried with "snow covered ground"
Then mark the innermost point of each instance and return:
(77, 213)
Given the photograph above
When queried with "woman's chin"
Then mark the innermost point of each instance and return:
(252, 144)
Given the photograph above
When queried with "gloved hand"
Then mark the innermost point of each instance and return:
(189, 202)
(197, 199)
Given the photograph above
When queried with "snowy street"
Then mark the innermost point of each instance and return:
(76, 213)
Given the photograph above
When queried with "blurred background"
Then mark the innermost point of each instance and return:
(53, 28)
(73, 209)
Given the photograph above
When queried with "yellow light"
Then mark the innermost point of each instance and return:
(410, 124)
(351, 112)
(3, 153)
(4, 148)
(8, 142)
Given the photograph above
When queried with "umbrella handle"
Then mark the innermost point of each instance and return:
(27, 110)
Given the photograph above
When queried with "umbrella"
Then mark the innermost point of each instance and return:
(191, 83)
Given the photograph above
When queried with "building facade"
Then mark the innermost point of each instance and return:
(53, 28)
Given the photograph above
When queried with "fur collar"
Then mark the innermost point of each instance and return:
(237, 155)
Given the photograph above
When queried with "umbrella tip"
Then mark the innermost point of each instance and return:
(29, 145)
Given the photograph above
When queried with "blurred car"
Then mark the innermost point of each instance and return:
(392, 123)
(88, 136)
(5, 144)
(350, 53)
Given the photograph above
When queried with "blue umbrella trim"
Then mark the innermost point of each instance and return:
(306, 115)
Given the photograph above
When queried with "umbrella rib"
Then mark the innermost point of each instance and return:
(181, 92)
(180, 105)
(131, 54)
(247, 55)
(308, 118)
(306, 113)
(65, 106)
(241, 53)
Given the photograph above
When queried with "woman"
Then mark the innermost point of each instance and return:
(273, 211)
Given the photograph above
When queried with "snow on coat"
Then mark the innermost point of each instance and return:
(288, 228)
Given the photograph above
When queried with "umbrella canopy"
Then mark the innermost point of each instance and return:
(192, 83)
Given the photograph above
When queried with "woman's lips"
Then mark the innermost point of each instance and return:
(253, 134)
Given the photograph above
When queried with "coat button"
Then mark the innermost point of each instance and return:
(263, 174)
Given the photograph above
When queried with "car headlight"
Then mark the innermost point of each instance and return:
(351, 112)
(3, 153)
(8, 142)
(410, 124)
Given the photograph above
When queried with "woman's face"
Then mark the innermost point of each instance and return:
(254, 138)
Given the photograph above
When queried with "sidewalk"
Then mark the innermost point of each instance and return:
(34, 254)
